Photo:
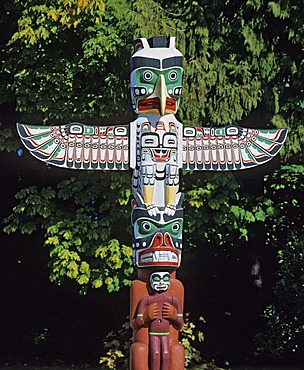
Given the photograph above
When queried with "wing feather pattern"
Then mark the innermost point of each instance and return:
(78, 146)
(229, 148)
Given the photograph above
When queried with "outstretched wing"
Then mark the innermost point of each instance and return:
(229, 148)
(78, 146)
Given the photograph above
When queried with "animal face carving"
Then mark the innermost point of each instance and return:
(156, 76)
(157, 240)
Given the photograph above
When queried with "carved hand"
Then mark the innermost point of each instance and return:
(153, 311)
(169, 312)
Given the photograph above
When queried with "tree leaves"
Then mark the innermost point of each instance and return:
(79, 224)
(283, 332)
(38, 22)
(7, 143)
(218, 211)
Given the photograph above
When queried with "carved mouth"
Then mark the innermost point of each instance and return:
(160, 252)
(162, 287)
(147, 104)
(161, 155)
(158, 257)
(154, 103)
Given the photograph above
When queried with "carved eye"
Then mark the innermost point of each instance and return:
(173, 76)
(148, 75)
(75, 129)
(175, 227)
(146, 226)
(155, 278)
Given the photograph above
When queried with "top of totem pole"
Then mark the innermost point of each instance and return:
(156, 76)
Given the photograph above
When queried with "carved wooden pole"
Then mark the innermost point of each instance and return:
(156, 146)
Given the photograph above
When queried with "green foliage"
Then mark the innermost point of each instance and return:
(190, 335)
(284, 329)
(285, 187)
(284, 332)
(117, 346)
(80, 225)
(217, 212)
(241, 56)
(7, 143)
(58, 62)
(39, 21)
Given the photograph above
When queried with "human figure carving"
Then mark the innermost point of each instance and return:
(157, 312)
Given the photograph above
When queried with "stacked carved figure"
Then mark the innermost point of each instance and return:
(156, 146)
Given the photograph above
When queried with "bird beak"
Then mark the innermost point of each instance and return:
(161, 92)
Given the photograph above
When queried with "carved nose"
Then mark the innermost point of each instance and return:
(158, 240)
(161, 240)
(167, 240)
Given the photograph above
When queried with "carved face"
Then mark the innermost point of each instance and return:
(157, 240)
(160, 145)
(156, 77)
(160, 281)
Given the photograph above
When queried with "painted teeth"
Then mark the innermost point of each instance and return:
(159, 256)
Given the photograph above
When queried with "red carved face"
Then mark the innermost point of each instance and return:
(160, 252)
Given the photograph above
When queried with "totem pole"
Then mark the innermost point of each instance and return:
(156, 146)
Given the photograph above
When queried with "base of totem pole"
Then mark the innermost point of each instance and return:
(140, 351)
